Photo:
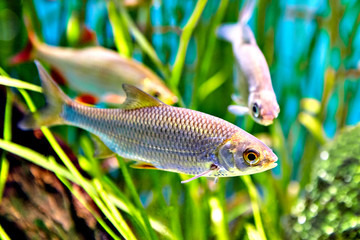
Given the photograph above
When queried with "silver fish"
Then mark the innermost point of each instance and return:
(253, 80)
(161, 136)
(96, 70)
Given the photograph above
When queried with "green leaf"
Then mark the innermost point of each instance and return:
(313, 125)
(121, 35)
(184, 41)
(11, 82)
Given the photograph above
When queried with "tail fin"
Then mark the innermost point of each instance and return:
(235, 32)
(231, 32)
(27, 53)
(51, 113)
(247, 11)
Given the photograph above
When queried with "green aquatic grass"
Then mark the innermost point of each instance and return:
(94, 189)
(3, 234)
(4, 170)
(135, 196)
(203, 70)
(255, 205)
(89, 208)
(121, 36)
(114, 196)
(218, 218)
(140, 38)
(213, 83)
(186, 212)
(11, 82)
(121, 226)
(184, 41)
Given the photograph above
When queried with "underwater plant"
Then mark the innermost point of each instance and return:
(52, 187)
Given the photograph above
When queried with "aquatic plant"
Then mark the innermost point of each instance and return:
(313, 53)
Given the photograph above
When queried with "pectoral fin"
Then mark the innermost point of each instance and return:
(213, 167)
(238, 110)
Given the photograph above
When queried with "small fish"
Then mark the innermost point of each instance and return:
(96, 70)
(157, 135)
(253, 80)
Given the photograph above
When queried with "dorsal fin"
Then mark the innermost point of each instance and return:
(135, 98)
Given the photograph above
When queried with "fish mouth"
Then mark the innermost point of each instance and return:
(268, 119)
(266, 122)
(272, 158)
(271, 165)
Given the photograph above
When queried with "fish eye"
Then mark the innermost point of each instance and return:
(256, 110)
(251, 157)
(156, 94)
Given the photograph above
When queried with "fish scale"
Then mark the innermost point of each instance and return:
(158, 135)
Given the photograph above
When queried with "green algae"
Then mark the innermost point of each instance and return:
(330, 207)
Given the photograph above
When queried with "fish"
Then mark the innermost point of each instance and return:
(96, 70)
(157, 135)
(256, 95)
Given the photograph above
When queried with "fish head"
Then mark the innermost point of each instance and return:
(263, 107)
(160, 91)
(244, 154)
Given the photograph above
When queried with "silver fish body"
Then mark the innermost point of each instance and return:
(176, 139)
(253, 80)
(149, 131)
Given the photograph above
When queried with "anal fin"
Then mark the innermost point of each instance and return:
(100, 149)
(142, 165)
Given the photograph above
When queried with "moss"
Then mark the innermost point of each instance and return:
(330, 208)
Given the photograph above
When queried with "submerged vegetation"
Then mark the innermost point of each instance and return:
(51, 186)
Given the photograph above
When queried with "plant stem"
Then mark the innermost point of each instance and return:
(207, 58)
(83, 183)
(119, 221)
(254, 204)
(4, 170)
(135, 196)
(86, 205)
(121, 35)
(3, 234)
(142, 41)
(184, 41)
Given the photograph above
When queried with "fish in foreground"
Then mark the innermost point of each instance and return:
(157, 135)
(252, 81)
(96, 70)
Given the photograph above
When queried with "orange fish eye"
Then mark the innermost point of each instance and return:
(251, 157)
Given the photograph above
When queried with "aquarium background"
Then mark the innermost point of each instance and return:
(313, 51)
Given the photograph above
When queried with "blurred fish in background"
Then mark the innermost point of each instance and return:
(95, 70)
(252, 76)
